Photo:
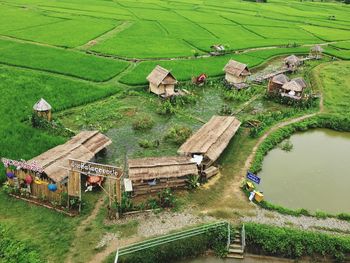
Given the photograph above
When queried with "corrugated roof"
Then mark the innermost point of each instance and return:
(212, 138)
(161, 167)
(161, 76)
(42, 105)
(82, 147)
(236, 68)
(280, 79)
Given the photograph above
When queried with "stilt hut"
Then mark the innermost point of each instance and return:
(236, 73)
(294, 89)
(43, 109)
(162, 82)
(276, 83)
(211, 139)
(292, 62)
(316, 52)
(45, 177)
(155, 174)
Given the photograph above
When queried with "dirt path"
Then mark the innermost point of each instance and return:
(80, 229)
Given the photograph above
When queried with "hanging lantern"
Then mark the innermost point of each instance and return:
(10, 175)
(95, 180)
(28, 179)
(52, 187)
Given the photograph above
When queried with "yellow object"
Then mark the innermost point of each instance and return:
(259, 197)
(38, 181)
(250, 186)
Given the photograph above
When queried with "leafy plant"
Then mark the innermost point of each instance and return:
(142, 123)
(166, 198)
(178, 134)
(193, 182)
(286, 146)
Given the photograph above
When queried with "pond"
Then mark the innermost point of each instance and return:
(314, 175)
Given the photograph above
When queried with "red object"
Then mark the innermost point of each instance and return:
(202, 78)
(95, 180)
(28, 179)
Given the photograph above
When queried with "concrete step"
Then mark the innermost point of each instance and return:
(236, 256)
(236, 246)
(237, 240)
(235, 251)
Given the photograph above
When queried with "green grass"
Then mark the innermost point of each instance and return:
(60, 61)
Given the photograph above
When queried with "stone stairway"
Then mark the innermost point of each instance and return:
(236, 250)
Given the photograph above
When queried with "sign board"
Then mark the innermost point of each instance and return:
(32, 166)
(253, 177)
(128, 185)
(95, 169)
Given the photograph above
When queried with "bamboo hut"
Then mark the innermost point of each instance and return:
(45, 177)
(316, 52)
(162, 82)
(43, 109)
(292, 62)
(294, 89)
(276, 83)
(211, 139)
(236, 73)
(155, 174)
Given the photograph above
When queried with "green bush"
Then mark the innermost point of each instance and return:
(149, 144)
(14, 251)
(178, 134)
(142, 123)
(293, 243)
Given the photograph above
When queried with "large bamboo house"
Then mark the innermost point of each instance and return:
(155, 174)
(211, 139)
(45, 177)
(43, 109)
(276, 83)
(294, 89)
(236, 73)
(292, 62)
(162, 82)
(316, 52)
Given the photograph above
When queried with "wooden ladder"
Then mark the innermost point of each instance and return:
(236, 249)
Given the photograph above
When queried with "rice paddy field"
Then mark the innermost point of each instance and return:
(90, 61)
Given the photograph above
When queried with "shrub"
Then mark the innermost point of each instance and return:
(178, 134)
(166, 198)
(142, 123)
(287, 146)
(166, 108)
(225, 110)
(148, 144)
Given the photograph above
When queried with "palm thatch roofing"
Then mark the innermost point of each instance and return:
(83, 146)
(292, 60)
(212, 138)
(236, 68)
(161, 167)
(317, 48)
(161, 75)
(297, 85)
(42, 105)
(280, 79)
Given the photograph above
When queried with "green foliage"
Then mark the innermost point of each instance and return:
(292, 243)
(287, 146)
(193, 182)
(147, 144)
(166, 108)
(166, 198)
(225, 110)
(178, 134)
(54, 127)
(143, 123)
(14, 251)
(240, 95)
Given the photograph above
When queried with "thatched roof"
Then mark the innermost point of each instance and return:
(212, 138)
(161, 76)
(42, 105)
(82, 147)
(292, 60)
(280, 79)
(297, 84)
(236, 68)
(161, 167)
(317, 48)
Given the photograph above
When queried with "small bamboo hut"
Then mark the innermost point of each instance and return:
(292, 62)
(43, 109)
(162, 82)
(316, 52)
(276, 83)
(211, 139)
(294, 89)
(45, 177)
(155, 174)
(236, 73)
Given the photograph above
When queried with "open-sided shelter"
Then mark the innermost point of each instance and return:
(211, 139)
(155, 174)
(43, 109)
(162, 82)
(292, 62)
(276, 83)
(236, 72)
(294, 89)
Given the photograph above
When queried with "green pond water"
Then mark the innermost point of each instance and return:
(315, 175)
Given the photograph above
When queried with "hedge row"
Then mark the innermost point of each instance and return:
(293, 243)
